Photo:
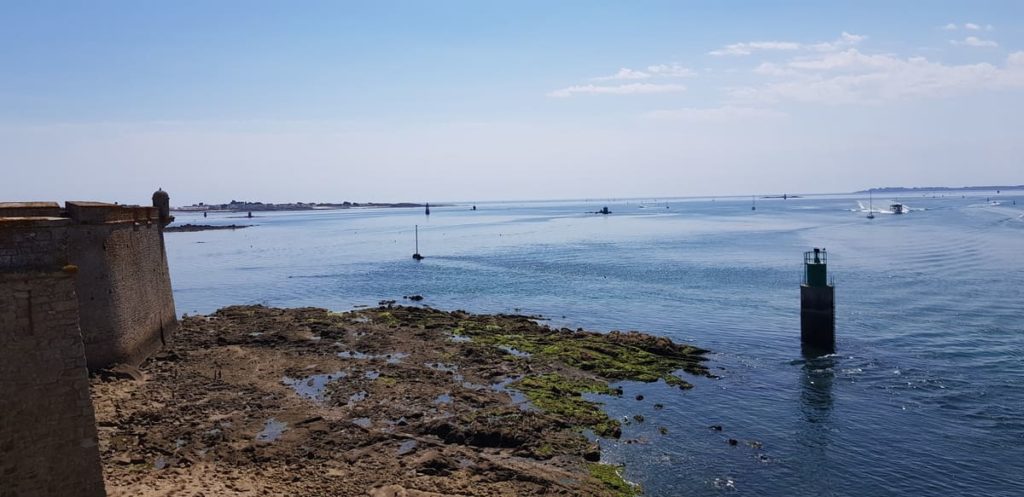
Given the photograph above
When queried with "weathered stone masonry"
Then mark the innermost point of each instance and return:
(82, 287)
(123, 284)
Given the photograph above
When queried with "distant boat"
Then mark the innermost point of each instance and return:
(871, 210)
(416, 255)
(897, 208)
(753, 201)
(428, 208)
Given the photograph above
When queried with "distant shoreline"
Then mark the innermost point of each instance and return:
(186, 228)
(260, 206)
(898, 189)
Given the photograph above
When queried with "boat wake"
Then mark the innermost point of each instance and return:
(863, 207)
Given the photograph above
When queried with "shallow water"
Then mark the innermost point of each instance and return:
(925, 394)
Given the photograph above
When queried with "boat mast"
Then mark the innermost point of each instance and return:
(416, 255)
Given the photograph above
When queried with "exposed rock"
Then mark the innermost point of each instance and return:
(252, 400)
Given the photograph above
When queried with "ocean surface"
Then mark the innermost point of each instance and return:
(925, 395)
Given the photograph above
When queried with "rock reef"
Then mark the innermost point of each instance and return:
(386, 401)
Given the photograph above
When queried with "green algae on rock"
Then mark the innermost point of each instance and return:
(579, 361)
(563, 396)
(611, 477)
(518, 397)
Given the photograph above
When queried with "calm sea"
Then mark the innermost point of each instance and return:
(924, 397)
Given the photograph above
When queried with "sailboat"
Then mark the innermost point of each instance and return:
(753, 201)
(416, 255)
(428, 208)
(871, 210)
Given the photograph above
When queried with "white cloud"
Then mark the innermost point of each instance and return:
(844, 40)
(624, 73)
(660, 70)
(846, 60)
(970, 26)
(716, 114)
(626, 89)
(771, 69)
(747, 48)
(671, 70)
(974, 41)
(851, 77)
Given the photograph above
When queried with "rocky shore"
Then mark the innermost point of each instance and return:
(386, 401)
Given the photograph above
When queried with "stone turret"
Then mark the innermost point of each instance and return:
(162, 202)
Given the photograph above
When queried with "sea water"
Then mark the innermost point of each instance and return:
(925, 395)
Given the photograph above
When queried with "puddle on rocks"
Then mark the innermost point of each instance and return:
(460, 338)
(407, 447)
(313, 387)
(443, 399)
(391, 358)
(352, 354)
(514, 351)
(396, 357)
(371, 375)
(440, 366)
(362, 422)
(272, 430)
(518, 398)
(356, 397)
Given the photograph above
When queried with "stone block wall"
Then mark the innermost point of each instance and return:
(47, 426)
(82, 287)
(124, 287)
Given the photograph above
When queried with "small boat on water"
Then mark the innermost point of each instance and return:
(871, 209)
(416, 255)
(897, 208)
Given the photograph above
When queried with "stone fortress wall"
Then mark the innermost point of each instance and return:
(123, 284)
(83, 287)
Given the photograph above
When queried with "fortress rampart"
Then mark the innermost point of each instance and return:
(83, 287)
(124, 287)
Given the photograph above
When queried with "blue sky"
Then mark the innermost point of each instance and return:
(396, 101)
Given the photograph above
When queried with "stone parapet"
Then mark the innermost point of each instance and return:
(104, 213)
(29, 209)
(33, 243)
